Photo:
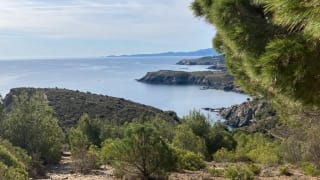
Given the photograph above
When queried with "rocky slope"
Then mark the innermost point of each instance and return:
(208, 60)
(255, 116)
(70, 105)
(211, 79)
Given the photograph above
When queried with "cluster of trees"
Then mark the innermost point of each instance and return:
(147, 147)
(33, 137)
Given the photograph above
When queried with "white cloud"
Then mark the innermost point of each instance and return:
(108, 19)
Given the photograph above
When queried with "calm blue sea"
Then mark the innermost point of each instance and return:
(115, 77)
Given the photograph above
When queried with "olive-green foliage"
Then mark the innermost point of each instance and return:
(310, 169)
(254, 168)
(199, 124)
(142, 151)
(292, 150)
(239, 172)
(109, 129)
(19, 153)
(224, 155)
(32, 126)
(255, 147)
(91, 128)
(271, 48)
(185, 139)
(10, 166)
(188, 160)
(216, 136)
(219, 137)
(79, 145)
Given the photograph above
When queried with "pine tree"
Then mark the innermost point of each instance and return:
(272, 47)
(32, 126)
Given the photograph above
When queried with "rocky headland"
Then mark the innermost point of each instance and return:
(69, 105)
(209, 79)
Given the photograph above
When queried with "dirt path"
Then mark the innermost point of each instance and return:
(65, 171)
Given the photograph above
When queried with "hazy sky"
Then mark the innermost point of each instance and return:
(86, 28)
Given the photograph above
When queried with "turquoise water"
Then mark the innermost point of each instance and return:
(115, 77)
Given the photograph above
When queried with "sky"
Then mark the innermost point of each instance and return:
(94, 28)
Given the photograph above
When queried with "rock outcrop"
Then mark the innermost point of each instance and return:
(251, 113)
(211, 79)
(70, 105)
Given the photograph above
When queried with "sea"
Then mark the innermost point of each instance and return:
(116, 76)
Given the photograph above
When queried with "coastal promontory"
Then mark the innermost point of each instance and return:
(209, 79)
(70, 105)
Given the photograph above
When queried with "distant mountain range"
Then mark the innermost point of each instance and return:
(201, 52)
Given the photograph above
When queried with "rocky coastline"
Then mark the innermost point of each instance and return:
(206, 79)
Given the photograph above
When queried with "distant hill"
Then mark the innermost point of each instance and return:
(201, 52)
(70, 105)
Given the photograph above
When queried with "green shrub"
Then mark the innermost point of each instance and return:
(216, 172)
(215, 137)
(10, 166)
(254, 168)
(224, 155)
(199, 124)
(86, 156)
(9, 173)
(188, 160)
(256, 148)
(91, 128)
(310, 169)
(239, 172)
(142, 152)
(185, 139)
(32, 126)
(284, 170)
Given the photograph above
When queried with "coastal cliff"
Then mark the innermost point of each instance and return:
(70, 105)
(209, 79)
(255, 116)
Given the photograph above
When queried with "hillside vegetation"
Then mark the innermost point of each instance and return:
(70, 105)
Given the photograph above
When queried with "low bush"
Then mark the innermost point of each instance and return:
(256, 148)
(254, 168)
(216, 137)
(185, 139)
(310, 169)
(224, 155)
(188, 160)
(141, 152)
(11, 167)
(239, 172)
(86, 156)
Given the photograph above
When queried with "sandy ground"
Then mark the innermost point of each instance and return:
(64, 171)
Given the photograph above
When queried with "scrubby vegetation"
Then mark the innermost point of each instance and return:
(146, 147)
